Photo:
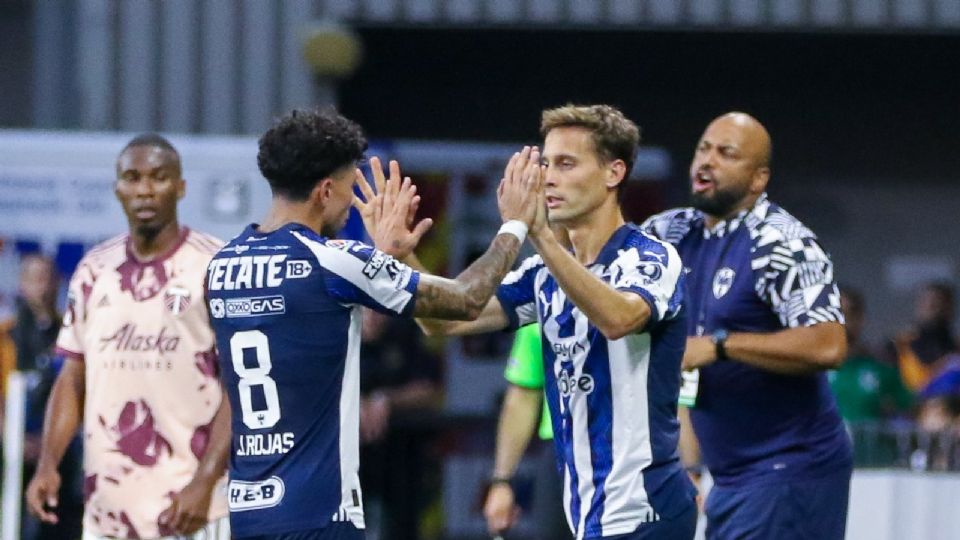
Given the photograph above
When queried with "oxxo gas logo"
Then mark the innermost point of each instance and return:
(232, 308)
(569, 385)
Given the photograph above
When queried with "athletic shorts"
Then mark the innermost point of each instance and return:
(218, 529)
(341, 530)
(796, 509)
(681, 527)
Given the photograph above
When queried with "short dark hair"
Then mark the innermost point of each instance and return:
(614, 135)
(943, 289)
(854, 296)
(154, 140)
(306, 146)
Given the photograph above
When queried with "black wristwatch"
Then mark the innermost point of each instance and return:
(719, 338)
(494, 480)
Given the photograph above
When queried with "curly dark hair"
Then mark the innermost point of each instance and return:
(306, 146)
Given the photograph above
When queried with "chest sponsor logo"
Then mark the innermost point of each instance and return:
(569, 385)
(217, 308)
(176, 299)
(254, 272)
(723, 281)
(127, 339)
(254, 306)
(243, 496)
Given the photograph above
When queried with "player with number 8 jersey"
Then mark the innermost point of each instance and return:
(285, 302)
(289, 340)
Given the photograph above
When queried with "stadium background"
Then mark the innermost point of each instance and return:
(860, 97)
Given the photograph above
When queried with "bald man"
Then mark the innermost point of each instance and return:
(764, 324)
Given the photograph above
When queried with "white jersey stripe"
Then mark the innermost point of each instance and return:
(582, 452)
(350, 268)
(350, 425)
(629, 365)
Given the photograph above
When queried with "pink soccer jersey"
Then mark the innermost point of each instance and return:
(152, 385)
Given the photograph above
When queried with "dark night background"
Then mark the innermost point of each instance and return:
(876, 106)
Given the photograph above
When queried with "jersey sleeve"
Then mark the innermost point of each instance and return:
(653, 270)
(525, 365)
(70, 341)
(795, 277)
(517, 293)
(355, 273)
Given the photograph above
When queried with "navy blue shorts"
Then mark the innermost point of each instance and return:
(682, 527)
(332, 531)
(796, 509)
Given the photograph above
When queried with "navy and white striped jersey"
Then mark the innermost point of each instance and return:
(761, 271)
(613, 403)
(285, 307)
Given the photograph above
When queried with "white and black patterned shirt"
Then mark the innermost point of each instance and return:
(761, 272)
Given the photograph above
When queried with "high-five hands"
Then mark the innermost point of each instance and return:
(389, 210)
(521, 188)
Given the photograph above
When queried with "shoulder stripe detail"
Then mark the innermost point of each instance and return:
(108, 245)
(391, 294)
(213, 242)
(203, 246)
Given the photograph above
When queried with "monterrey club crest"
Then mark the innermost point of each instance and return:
(722, 281)
(177, 299)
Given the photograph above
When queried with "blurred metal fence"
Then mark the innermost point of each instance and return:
(776, 15)
(210, 66)
(903, 445)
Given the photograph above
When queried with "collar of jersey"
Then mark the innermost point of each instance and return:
(730, 225)
(132, 257)
(252, 230)
(609, 251)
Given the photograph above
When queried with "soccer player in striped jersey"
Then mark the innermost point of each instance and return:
(286, 299)
(612, 320)
(764, 325)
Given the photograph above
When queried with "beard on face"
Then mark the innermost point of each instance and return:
(718, 205)
(148, 231)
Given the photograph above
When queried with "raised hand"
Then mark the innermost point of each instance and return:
(518, 193)
(389, 213)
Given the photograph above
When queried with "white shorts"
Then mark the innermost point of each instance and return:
(218, 529)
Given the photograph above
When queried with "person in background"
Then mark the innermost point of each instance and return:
(523, 408)
(866, 388)
(400, 380)
(764, 325)
(140, 373)
(920, 350)
(33, 334)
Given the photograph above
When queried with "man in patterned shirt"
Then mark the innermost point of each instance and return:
(142, 369)
(764, 324)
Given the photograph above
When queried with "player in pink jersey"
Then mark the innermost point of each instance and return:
(143, 370)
